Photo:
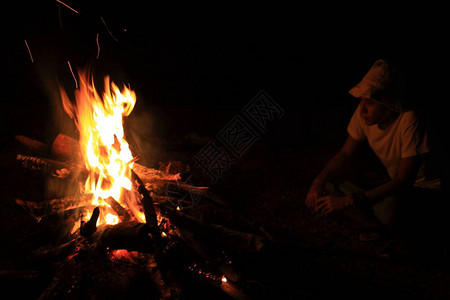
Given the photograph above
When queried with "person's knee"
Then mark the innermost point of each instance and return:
(386, 210)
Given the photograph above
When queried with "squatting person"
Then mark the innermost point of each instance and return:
(399, 141)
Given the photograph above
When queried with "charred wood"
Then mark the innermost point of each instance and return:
(48, 254)
(147, 201)
(233, 291)
(66, 148)
(193, 233)
(34, 146)
(131, 235)
(65, 283)
(119, 209)
(52, 167)
(39, 210)
(214, 233)
(152, 221)
(238, 239)
(88, 228)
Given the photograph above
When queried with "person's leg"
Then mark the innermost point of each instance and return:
(386, 210)
(357, 220)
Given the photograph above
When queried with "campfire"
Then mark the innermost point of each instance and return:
(104, 150)
(124, 218)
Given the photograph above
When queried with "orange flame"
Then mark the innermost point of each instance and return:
(106, 153)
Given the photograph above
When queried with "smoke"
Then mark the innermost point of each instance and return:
(142, 134)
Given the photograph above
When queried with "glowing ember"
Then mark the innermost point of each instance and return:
(111, 219)
(106, 153)
(224, 279)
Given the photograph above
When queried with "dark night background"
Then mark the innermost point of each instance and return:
(194, 68)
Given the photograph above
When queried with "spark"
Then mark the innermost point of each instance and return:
(98, 47)
(66, 6)
(73, 75)
(29, 51)
(106, 26)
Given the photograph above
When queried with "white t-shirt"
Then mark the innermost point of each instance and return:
(403, 138)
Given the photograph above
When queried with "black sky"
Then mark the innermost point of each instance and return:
(215, 56)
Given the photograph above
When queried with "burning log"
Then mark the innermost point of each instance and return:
(152, 221)
(202, 192)
(93, 274)
(158, 180)
(215, 233)
(131, 235)
(34, 146)
(208, 244)
(39, 210)
(52, 167)
(121, 212)
(48, 254)
(233, 291)
(66, 148)
(110, 274)
(147, 201)
(239, 240)
(88, 228)
(167, 290)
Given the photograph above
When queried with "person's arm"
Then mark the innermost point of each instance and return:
(405, 178)
(414, 145)
(340, 163)
(335, 167)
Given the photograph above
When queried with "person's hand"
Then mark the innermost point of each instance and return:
(328, 204)
(313, 194)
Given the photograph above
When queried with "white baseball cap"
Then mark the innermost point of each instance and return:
(379, 85)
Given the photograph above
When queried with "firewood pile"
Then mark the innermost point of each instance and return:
(187, 243)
